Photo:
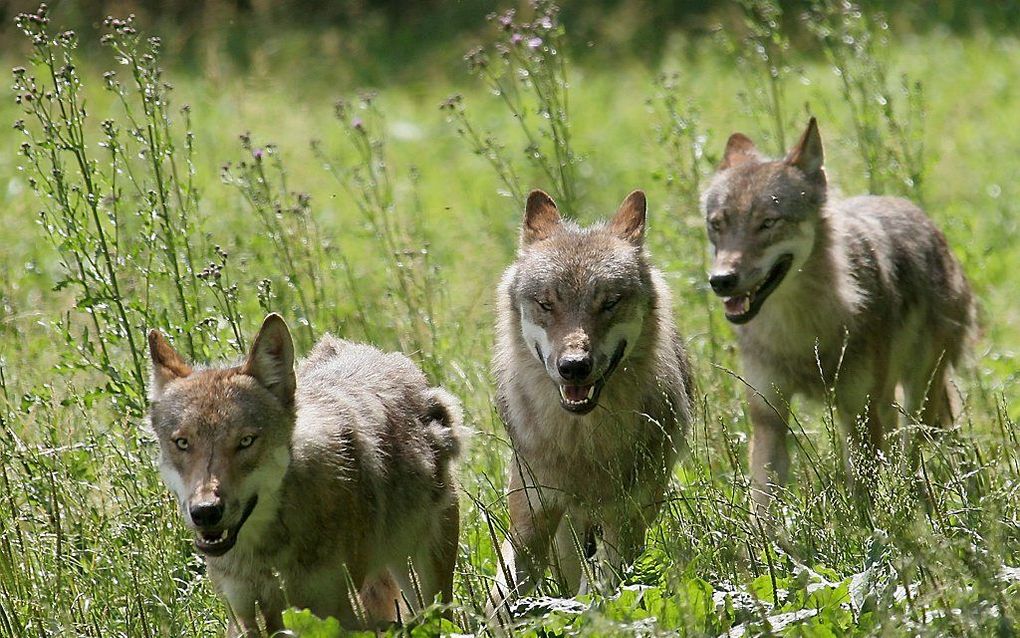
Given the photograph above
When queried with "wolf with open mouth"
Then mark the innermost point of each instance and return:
(594, 387)
(836, 297)
(295, 484)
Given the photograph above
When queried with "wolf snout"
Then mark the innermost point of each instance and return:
(206, 513)
(724, 283)
(575, 366)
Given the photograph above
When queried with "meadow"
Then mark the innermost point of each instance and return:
(135, 193)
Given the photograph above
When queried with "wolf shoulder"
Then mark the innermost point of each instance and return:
(898, 218)
(899, 222)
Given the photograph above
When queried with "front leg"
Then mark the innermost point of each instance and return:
(865, 399)
(242, 591)
(769, 457)
(240, 598)
(272, 603)
(534, 517)
(621, 545)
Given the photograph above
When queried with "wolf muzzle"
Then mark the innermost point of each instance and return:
(217, 542)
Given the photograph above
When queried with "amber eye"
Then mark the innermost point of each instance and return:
(544, 305)
(181, 443)
(246, 441)
(768, 223)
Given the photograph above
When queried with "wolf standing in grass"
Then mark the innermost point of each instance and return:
(296, 485)
(594, 387)
(852, 295)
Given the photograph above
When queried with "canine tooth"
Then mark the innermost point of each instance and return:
(591, 391)
(563, 394)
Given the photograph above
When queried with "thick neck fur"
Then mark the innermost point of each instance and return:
(817, 301)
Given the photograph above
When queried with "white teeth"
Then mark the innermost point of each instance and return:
(219, 539)
(589, 397)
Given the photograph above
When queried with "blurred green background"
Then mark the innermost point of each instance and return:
(919, 99)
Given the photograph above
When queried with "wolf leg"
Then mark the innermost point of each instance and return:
(534, 518)
(381, 600)
(443, 558)
(240, 595)
(621, 544)
(271, 604)
(865, 403)
(926, 391)
(770, 458)
(572, 534)
(430, 572)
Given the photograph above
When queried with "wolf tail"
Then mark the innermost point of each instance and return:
(444, 421)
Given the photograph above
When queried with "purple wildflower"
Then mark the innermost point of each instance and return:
(516, 38)
(534, 43)
(257, 154)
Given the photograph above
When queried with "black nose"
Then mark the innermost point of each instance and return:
(574, 367)
(724, 284)
(206, 514)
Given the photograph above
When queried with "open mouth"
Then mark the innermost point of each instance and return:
(743, 308)
(217, 542)
(582, 399)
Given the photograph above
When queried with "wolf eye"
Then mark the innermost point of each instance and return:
(715, 225)
(769, 223)
(181, 443)
(246, 441)
(609, 304)
(544, 305)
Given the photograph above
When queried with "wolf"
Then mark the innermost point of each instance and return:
(595, 389)
(830, 297)
(297, 485)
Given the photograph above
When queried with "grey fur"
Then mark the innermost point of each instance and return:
(353, 479)
(873, 297)
(573, 475)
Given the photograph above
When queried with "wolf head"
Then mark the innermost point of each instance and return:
(582, 295)
(762, 216)
(224, 434)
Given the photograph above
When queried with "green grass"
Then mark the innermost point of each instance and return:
(407, 257)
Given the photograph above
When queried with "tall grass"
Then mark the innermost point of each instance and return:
(355, 237)
(526, 68)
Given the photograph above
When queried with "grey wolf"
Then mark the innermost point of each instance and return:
(595, 389)
(296, 484)
(851, 296)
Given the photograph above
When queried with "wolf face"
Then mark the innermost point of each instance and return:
(582, 295)
(224, 435)
(762, 217)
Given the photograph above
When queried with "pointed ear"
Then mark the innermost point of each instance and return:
(629, 221)
(807, 155)
(271, 360)
(540, 217)
(167, 365)
(739, 149)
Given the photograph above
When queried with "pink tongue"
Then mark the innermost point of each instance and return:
(576, 392)
(737, 305)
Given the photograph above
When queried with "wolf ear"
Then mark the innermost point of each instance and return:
(271, 360)
(629, 221)
(167, 365)
(807, 155)
(540, 217)
(739, 149)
